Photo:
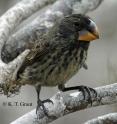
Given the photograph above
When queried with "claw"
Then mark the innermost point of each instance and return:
(84, 89)
(47, 100)
(41, 104)
(93, 91)
(89, 93)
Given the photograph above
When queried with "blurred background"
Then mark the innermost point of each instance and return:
(102, 70)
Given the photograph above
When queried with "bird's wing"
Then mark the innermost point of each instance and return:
(37, 51)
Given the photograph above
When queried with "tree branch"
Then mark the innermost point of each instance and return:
(8, 22)
(66, 104)
(110, 118)
(16, 15)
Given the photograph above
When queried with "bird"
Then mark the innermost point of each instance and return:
(58, 55)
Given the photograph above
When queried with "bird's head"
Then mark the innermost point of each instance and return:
(84, 26)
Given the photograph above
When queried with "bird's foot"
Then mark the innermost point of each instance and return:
(85, 89)
(41, 104)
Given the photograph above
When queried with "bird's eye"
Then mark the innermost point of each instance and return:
(78, 27)
(76, 23)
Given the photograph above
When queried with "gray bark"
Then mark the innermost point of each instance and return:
(66, 104)
(110, 118)
(14, 16)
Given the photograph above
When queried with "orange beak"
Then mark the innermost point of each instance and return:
(91, 34)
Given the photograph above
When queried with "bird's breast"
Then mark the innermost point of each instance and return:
(67, 65)
(56, 67)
